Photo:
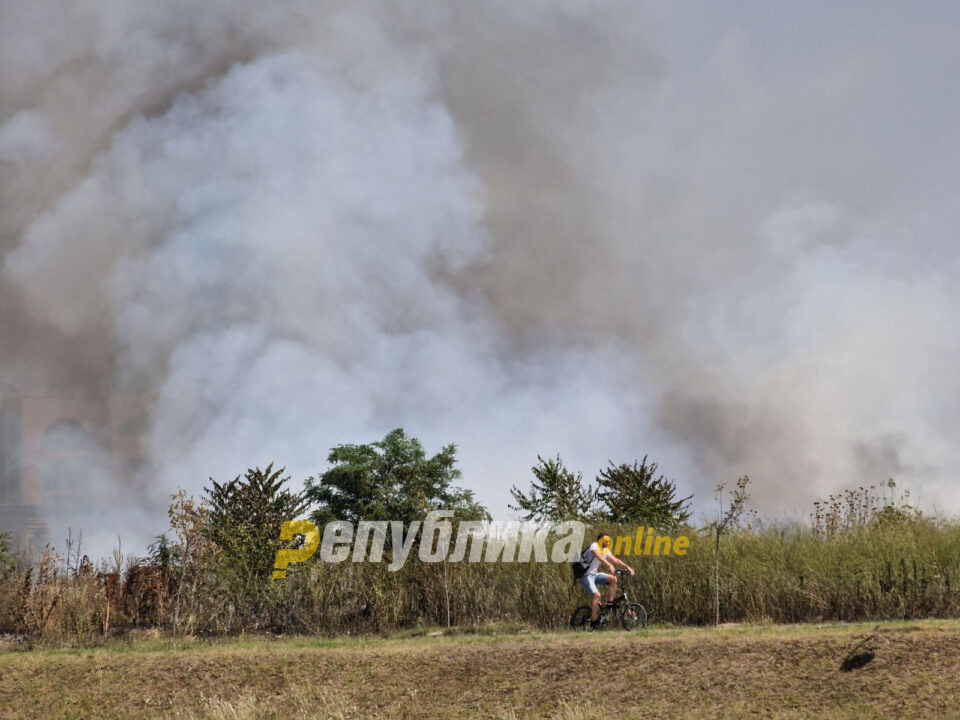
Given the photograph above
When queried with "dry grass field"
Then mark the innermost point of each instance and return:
(898, 670)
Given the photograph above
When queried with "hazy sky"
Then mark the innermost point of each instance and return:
(724, 235)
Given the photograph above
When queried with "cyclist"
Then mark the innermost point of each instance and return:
(601, 551)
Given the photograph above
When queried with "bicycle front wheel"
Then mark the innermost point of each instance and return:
(580, 620)
(634, 617)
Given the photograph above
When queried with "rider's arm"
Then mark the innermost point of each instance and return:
(619, 562)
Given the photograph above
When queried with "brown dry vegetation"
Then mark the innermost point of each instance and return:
(907, 569)
(767, 671)
(866, 556)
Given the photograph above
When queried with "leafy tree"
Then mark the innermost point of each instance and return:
(391, 479)
(190, 559)
(244, 521)
(555, 494)
(635, 494)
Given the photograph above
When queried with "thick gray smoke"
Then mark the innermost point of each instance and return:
(723, 238)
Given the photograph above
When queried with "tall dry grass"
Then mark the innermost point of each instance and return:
(899, 567)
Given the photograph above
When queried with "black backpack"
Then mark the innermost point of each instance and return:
(580, 565)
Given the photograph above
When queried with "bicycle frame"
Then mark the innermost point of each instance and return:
(621, 596)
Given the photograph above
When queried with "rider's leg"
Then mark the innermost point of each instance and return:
(612, 588)
(595, 607)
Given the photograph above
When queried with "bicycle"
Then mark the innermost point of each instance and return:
(633, 615)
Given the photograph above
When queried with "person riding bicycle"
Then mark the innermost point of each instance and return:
(601, 551)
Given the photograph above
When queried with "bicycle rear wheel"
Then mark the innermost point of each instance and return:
(634, 616)
(580, 620)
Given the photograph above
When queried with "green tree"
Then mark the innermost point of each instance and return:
(391, 479)
(556, 494)
(244, 521)
(635, 494)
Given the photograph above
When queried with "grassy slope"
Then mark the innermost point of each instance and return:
(789, 671)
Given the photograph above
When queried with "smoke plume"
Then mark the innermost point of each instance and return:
(726, 238)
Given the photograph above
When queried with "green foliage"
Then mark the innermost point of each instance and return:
(866, 556)
(776, 573)
(244, 521)
(165, 555)
(632, 494)
(6, 553)
(391, 479)
(891, 515)
(556, 494)
(860, 507)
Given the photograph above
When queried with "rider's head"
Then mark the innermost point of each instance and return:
(604, 543)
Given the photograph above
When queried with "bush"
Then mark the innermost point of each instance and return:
(779, 574)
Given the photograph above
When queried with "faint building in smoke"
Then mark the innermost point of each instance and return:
(59, 455)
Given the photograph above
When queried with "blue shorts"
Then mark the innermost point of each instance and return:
(590, 582)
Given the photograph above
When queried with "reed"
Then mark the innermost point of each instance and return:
(894, 567)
